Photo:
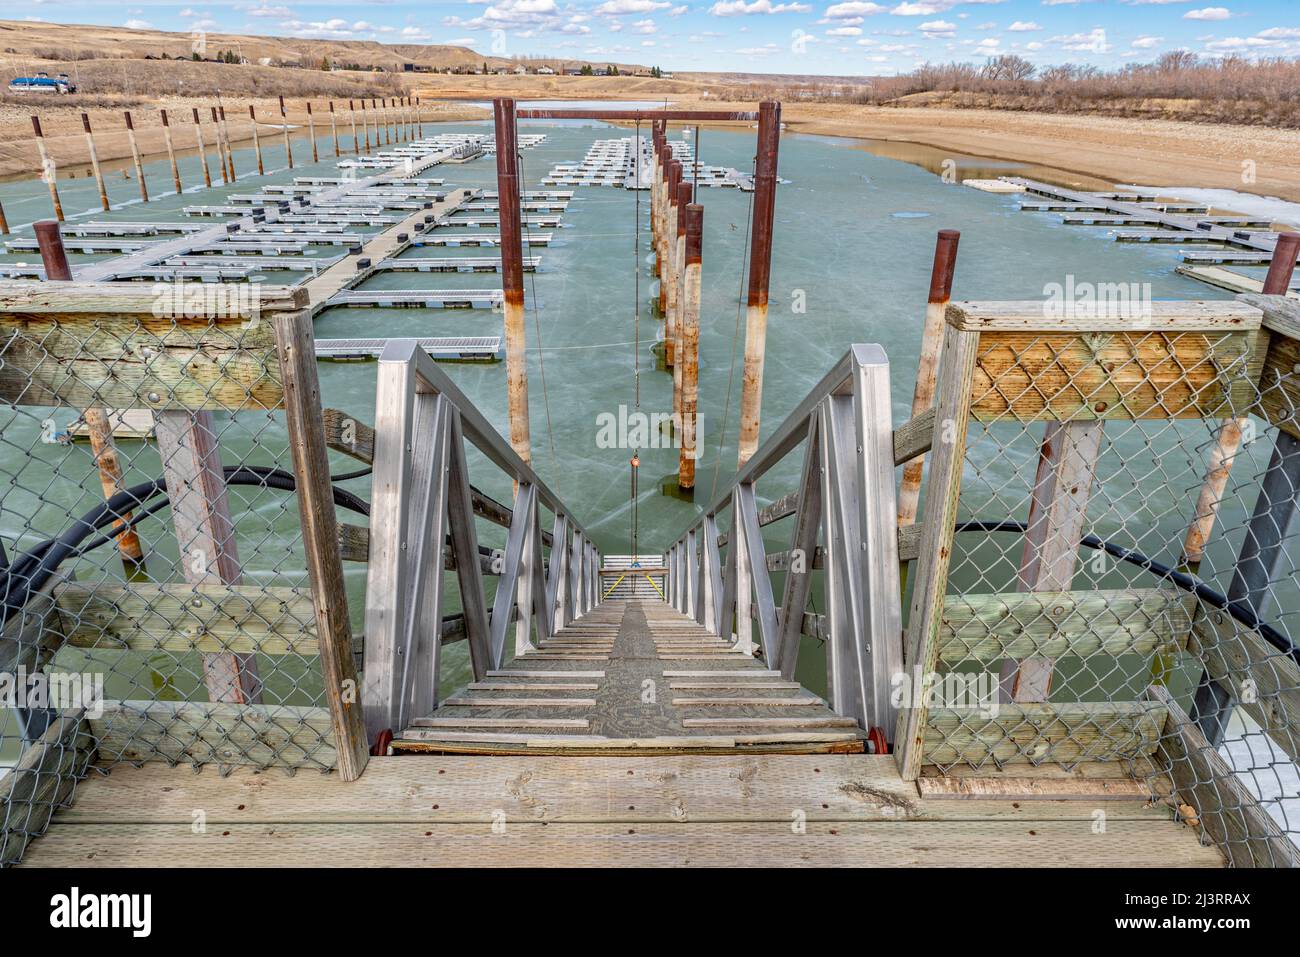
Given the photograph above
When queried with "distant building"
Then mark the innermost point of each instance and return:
(545, 71)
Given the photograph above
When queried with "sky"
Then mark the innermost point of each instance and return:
(853, 37)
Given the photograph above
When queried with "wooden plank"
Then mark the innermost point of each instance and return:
(956, 369)
(914, 437)
(1228, 812)
(193, 732)
(528, 843)
(458, 789)
(1059, 733)
(1054, 624)
(1112, 375)
(43, 777)
(1113, 314)
(1279, 384)
(1035, 789)
(180, 618)
(297, 355)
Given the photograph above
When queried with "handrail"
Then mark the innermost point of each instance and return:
(421, 501)
(846, 495)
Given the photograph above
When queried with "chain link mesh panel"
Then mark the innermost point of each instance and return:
(157, 602)
(1117, 591)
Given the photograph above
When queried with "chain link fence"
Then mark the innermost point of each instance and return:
(1108, 567)
(158, 604)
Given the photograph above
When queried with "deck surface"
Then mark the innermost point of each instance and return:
(651, 810)
(630, 677)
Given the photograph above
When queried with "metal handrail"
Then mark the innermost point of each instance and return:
(847, 495)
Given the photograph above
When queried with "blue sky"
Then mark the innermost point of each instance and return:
(768, 36)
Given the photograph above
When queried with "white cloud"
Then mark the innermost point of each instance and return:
(1208, 13)
(853, 8)
(644, 26)
(938, 28)
(844, 32)
(266, 11)
(739, 8)
(1023, 26)
(1092, 42)
(1147, 43)
(619, 8)
(138, 25)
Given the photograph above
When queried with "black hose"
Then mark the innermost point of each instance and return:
(1238, 610)
(30, 570)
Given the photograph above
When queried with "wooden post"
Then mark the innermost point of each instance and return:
(356, 142)
(1058, 508)
(927, 371)
(257, 143)
(225, 138)
(689, 361)
(1228, 441)
(311, 131)
(284, 128)
(55, 258)
(94, 164)
(47, 169)
(419, 119)
(205, 532)
(678, 279)
(760, 268)
(334, 130)
(171, 152)
(203, 151)
(221, 146)
(388, 124)
(4, 221)
(668, 272)
(365, 125)
(512, 276)
(135, 156)
(297, 353)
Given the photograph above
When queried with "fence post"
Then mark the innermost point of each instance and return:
(98, 425)
(760, 269)
(334, 130)
(257, 143)
(203, 153)
(284, 128)
(311, 131)
(171, 152)
(135, 156)
(512, 276)
(94, 165)
(690, 359)
(47, 169)
(927, 371)
(297, 354)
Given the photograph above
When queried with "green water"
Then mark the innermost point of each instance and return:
(854, 239)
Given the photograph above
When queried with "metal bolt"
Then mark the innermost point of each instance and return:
(154, 397)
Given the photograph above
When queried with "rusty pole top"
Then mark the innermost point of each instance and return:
(1285, 253)
(760, 254)
(694, 234)
(945, 261)
(85, 122)
(129, 125)
(163, 114)
(36, 125)
(684, 198)
(512, 263)
(674, 178)
(53, 254)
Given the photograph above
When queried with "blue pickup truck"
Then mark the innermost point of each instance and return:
(43, 83)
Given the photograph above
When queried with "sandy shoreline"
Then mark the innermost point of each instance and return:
(1092, 149)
